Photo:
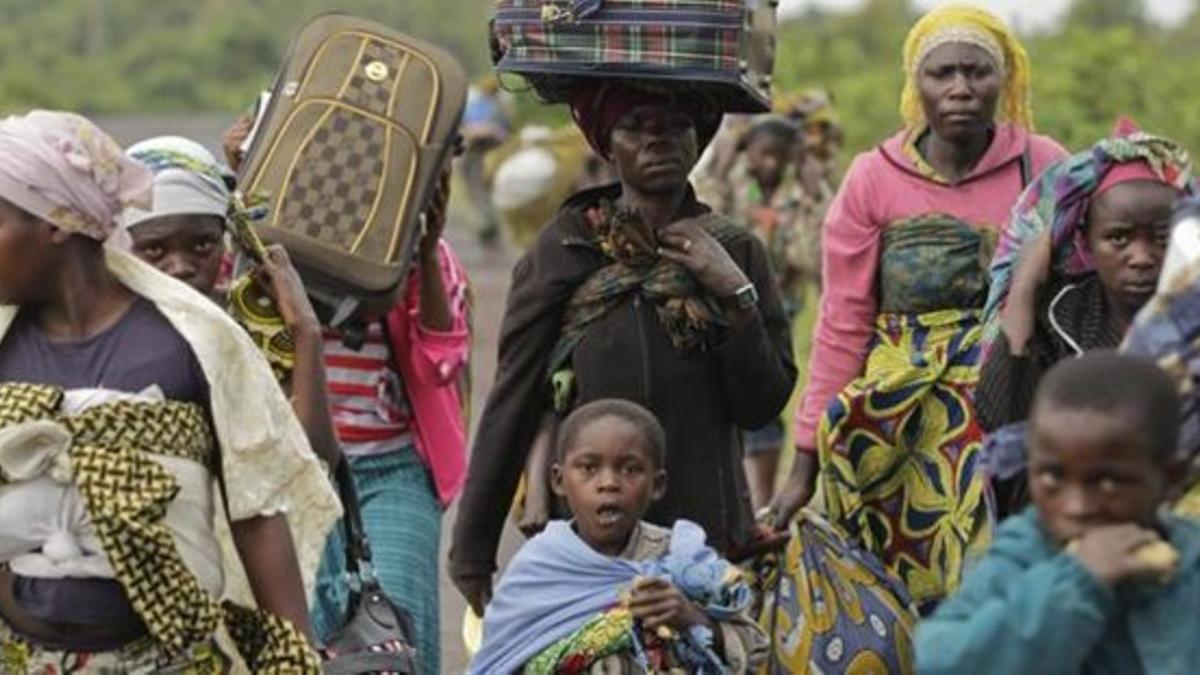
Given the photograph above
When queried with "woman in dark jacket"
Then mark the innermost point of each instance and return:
(635, 291)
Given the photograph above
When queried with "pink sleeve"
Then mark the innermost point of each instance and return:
(437, 357)
(849, 303)
(1043, 152)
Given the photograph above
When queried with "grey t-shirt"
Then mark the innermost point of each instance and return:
(140, 350)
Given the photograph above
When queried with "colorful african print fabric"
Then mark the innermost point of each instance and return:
(832, 608)
(898, 448)
(21, 657)
(126, 494)
(898, 452)
(251, 307)
(608, 634)
(1058, 201)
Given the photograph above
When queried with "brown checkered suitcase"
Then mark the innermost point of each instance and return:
(359, 124)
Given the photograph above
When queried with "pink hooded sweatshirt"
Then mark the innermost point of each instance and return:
(883, 186)
(431, 366)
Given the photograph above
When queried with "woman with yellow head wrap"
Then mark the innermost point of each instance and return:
(887, 415)
(972, 26)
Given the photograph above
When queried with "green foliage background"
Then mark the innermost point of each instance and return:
(1105, 60)
(122, 56)
(126, 56)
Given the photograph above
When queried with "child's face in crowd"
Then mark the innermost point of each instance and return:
(767, 158)
(1088, 469)
(609, 478)
(186, 247)
(1128, 229)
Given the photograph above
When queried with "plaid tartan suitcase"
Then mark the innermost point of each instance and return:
(728, 45)
(359, 124)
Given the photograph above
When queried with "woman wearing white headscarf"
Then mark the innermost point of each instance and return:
(183, 235)
(126, 398)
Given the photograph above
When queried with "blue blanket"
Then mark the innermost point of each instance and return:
(557, 582)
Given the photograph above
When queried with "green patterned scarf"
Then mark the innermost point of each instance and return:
(686, 311)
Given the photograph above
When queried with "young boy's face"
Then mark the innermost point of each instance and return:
(1088, 469)
(609, 478)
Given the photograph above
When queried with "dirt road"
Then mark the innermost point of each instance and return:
(489, 270)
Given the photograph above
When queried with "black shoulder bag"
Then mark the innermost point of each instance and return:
(378, 635)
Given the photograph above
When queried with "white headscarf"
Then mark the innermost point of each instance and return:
(188, 180)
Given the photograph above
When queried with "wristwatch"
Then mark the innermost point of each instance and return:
(743, 298)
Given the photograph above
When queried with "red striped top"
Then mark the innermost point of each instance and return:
(370, 410)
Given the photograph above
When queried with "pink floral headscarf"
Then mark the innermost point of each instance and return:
(63, 169)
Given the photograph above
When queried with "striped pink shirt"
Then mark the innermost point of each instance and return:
(379, 409)
(370, 410)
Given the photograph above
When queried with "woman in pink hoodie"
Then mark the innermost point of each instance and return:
(887, 413)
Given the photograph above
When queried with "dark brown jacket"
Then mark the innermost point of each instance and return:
(701, 398)
(1072, 318)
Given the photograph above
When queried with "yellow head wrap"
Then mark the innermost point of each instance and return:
(955, 23)
(488, 84)
(812, 105)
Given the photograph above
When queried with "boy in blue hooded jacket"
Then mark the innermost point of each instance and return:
(1083, 581)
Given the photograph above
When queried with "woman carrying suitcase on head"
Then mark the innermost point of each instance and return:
(635, 291)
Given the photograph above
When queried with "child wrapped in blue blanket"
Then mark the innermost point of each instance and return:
(607, 592)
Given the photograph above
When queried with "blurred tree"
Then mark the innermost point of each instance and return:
(1107, 13)
(187, 55)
